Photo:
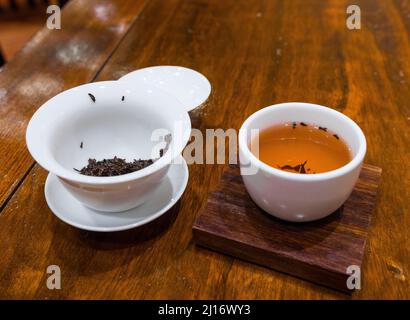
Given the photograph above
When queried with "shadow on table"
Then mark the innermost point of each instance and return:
(88, 253)
(128, 238)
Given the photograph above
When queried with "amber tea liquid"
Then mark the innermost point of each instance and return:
(304, 148)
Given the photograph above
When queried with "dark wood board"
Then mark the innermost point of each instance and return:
(318, 251)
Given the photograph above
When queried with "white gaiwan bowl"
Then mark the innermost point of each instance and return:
(129, 128)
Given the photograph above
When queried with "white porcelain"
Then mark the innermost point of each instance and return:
(300, 197)
(108, 127)
(189, 86)
(69, 210)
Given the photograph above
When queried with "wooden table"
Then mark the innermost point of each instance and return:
(255, 53)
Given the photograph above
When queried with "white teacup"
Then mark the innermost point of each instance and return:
(70, 128)
(300, 197)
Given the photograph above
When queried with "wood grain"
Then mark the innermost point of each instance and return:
(55, 60)
(255, 53)
(319, 251)
(18, 27)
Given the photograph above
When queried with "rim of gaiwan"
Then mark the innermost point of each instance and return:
(60, 105)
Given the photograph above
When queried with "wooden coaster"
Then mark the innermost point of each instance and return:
(319, 251)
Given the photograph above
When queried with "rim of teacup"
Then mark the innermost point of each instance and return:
(352, 164)
(60, 171)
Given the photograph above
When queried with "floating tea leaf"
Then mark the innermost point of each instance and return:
(300, 168)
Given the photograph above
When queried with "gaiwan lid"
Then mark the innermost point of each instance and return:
(189, 86)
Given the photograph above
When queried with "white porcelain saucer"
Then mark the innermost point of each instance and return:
(69, 210)
(189, 86)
